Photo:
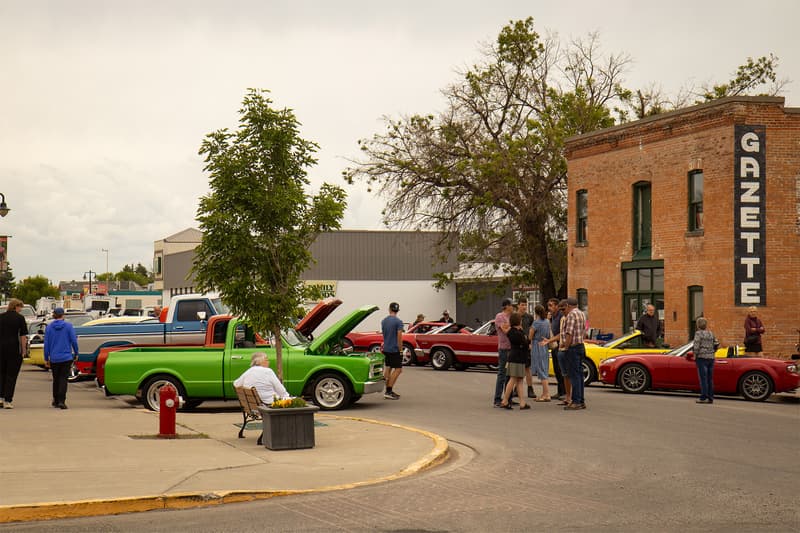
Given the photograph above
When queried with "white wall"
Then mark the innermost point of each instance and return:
(414, 297)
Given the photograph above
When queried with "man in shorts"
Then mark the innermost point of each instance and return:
(392, 329)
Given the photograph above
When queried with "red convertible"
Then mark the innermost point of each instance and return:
(755, 378)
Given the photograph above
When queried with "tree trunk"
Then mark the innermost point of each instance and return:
(276, 334)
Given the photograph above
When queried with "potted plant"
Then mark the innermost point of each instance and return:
(288, 424)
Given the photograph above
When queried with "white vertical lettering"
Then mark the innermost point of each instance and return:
(750, 262)
(749, 195)
(749, 168)
(750, 142)
(749, 292)
(749, 217)
(750, 237)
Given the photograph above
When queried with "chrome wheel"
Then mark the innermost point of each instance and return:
(74, 374)
(331, 391)
(634, 378)
(409, 358)
(152, 391)
(756, 386)
(441, 359)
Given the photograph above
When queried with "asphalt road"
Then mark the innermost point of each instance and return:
(655, 462)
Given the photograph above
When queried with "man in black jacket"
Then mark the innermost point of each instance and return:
(650, 326)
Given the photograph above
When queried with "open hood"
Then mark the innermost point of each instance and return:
(314, 318)
(341, 328)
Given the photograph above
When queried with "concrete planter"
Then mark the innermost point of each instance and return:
(289, 428)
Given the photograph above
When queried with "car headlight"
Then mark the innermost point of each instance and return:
(792, 368)
(608, 361)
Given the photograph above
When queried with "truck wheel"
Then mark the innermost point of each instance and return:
(150, 390)
(331, 391)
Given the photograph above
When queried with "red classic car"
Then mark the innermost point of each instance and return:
(373, 340)
(459, 349)
(755, 378)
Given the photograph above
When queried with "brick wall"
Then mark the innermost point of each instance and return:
(663, 150)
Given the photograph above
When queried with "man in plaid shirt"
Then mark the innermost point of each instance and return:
(573, 333)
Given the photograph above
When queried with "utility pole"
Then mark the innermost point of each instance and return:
(108, 274)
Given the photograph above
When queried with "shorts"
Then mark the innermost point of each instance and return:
(515, 370)
(393, 359)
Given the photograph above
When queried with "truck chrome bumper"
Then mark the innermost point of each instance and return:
(373, 386)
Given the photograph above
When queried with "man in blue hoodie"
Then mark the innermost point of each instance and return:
(60, 343)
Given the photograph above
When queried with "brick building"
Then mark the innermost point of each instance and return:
(696, 211)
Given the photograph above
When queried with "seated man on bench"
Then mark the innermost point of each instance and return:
(261, 376)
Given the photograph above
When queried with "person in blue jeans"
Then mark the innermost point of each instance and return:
(573, 332)
(502, 325)
(703, 348)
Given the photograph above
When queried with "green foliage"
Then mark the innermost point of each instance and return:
(490, 169)
(751, 76)
(258, 221)
(6, 282)
(31, 289)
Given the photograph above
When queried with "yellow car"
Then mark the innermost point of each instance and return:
(35, 355)
(629, 343)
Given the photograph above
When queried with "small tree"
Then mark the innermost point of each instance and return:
(258, 222)
(31, 289)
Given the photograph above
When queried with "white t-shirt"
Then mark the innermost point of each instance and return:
(265, 381)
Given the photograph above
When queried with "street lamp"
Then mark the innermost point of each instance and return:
(3, 207)
(90, 279)
(108, 274)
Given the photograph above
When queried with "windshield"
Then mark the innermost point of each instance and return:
(681, 351)
(27, 312)
(294, 337)
(220, 307)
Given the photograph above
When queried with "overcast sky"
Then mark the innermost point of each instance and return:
(104, 104)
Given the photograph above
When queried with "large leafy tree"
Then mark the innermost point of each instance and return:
(259, 221)
(31, 289)
(489, 170)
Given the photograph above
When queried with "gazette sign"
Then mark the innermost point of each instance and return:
(749, 219)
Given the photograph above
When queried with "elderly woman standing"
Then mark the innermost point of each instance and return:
(703, 347)
(753, 329)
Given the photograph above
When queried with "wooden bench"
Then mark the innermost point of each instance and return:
(249, 400)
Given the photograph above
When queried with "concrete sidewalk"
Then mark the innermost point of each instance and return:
(100, 457)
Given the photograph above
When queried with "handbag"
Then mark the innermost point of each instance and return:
(751, 339)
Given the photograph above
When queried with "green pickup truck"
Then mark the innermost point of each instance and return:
(325, 369)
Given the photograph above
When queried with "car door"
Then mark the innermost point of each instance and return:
(186, 327)
(682, 373)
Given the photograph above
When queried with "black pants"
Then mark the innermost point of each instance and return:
(10, 364)
(60, 375)
(558, 372)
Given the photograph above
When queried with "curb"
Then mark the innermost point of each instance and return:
(83, 508)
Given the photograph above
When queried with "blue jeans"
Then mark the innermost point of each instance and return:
(705, 371)
(574, 358)
(500, 383)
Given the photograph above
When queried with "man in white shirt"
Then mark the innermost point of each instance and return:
(261, 376)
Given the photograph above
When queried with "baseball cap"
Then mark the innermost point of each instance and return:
(58, 311)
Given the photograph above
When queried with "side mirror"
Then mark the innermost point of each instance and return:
(201, 315)
(690, 356)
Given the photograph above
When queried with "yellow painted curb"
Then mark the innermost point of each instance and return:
(82, 508)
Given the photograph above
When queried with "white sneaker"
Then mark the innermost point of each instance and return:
(7, 405)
